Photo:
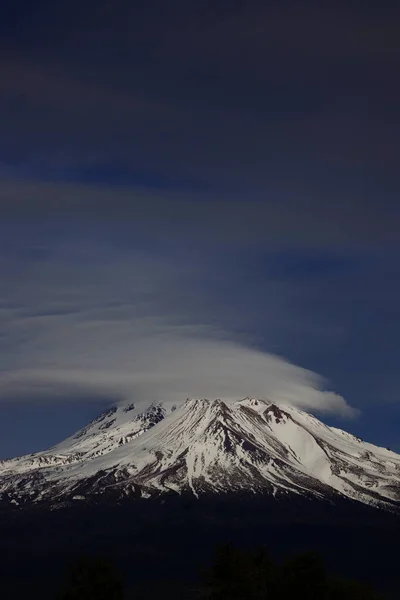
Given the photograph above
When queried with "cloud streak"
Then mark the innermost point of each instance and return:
(278, 217)
(172, 369)
(86, 322)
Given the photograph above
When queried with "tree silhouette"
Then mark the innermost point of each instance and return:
(235, 574)
(263, 582)
(228, 576)
(92, 579)
(350, 590)
(303, 576)
(252, 575)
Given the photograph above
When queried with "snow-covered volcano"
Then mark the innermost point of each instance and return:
(205, 447)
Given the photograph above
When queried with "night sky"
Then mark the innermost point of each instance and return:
(195, 197)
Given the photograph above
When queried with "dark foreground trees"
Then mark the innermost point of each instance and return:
(237, 574)
(92, 579)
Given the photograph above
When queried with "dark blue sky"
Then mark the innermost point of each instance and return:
(202, 171)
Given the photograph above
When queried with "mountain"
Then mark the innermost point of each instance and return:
(204, 448)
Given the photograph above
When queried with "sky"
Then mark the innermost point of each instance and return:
(198, 199)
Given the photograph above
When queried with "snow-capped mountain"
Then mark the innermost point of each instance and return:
(205, 447)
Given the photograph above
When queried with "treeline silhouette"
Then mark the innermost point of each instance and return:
(237, 574)
(234, 574)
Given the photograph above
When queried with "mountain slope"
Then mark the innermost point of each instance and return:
(205, 447)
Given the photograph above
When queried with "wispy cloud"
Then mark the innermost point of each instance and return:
(86, 320)
(278, 217)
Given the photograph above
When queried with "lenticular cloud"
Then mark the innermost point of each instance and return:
(170, 368)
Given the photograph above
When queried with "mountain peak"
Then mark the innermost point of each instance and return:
(206, 447)
(256, 404)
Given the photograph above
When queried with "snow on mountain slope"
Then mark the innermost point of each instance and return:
(113, 428)
(206, 447)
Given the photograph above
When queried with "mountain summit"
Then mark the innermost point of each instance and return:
(205, 447)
